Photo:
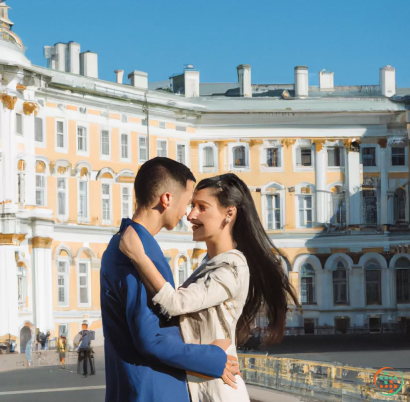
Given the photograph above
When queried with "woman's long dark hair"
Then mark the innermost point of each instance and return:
(269, 287)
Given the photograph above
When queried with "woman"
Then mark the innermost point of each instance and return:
(240, 274)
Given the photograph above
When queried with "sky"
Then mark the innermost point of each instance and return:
(353, 38)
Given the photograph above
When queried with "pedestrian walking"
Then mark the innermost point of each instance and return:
(62, 349)
(85, 353)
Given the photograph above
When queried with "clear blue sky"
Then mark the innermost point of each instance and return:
(353, 38)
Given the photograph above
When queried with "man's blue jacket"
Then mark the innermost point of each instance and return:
(145, 357)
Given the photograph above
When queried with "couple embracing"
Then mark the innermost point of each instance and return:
(158, 339)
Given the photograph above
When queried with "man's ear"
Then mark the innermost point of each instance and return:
(165, 200)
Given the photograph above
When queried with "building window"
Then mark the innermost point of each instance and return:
(335, 157)
(63, 330)
(273, 157)
(182, 269)
(304, 156)
(21, 286)
(126, 202)
(373, 284)
(60, 134)
(273, 211)
(38, 129)
(181, 153)
(162, 148)
(106, 204)
(61, 197)
(208, 155)
(40, 190)
(340, 284)
(402, 280)
(124, 146)
(142, 149)
(307, 284)
(398, 157)
(82, 139)
(369, 207)
(62, 283)
(239, 157)
(338, 207)
(369, 156)
(83, 276)
(305, 211)
(105, 143)
(19, 124)
(400, 205)
(83, 199)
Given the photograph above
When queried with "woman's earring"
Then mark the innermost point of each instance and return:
(227, 220)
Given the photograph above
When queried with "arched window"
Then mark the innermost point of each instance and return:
(307, 284)
(239, 157)
(208, 154)
(400, 205)
(41, 184)
(21, 285)
(182, 269)
(373, 283)
(403, 280)
(340, 292)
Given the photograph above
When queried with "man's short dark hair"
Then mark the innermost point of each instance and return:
(157, 176)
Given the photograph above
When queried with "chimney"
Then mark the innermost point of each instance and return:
(120, 76)
(244, 80)
(301, 82)
(326, 80)
(388, 81)
(138, 79)
(191, 82)
(61, 56)
(89, 64)
(50, 55)
(74, 50)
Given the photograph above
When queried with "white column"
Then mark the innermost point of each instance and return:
(319, 288)
(384, 184)
(327, 292)
(353, 179)
(322, 196)
(8, 292)
(42, 288)
(386, 285)
(8, 177)
(357, 295)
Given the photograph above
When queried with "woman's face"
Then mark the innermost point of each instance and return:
(207, 217)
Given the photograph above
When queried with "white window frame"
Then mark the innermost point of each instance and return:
(166, 142)
(24, 289)
(103, 156)
(65, 324)
(231, 147)
(85, 127)
(63, 149)
(110, 203)
(66, 276)
(202, 168)
(22, 124)
(88, 276)
(398, 168)
(298, 194)
(343, 156)
(299, 144)
(273, 188)
(44, 175)
(371, 169)
(40, 144)
(63, 217)
(81, 218)
(130, 211)
(176, 267)
(139, 149)
(129, 146)
(267, 144)
(187, 153)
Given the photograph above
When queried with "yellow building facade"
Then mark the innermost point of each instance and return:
(327, 168)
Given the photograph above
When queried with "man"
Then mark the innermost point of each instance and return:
(145, 357)
(84, 351)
